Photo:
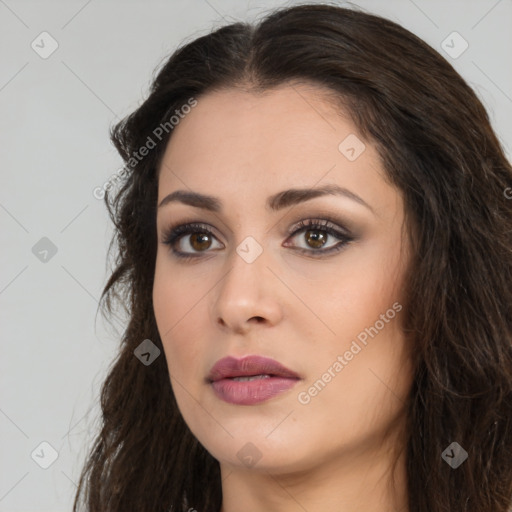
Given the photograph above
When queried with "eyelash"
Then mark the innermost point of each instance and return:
(174, 233)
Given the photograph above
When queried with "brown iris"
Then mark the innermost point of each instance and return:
(318, 237)
(203, 241)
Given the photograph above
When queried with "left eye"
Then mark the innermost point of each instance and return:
(317, 233)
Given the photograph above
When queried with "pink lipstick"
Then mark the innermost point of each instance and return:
(250, 380)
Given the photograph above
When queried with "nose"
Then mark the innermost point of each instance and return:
(247, 295)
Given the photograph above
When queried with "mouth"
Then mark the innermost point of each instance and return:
(250, 380)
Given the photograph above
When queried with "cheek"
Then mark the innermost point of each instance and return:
(176, 309)
(367, 394)
(366, 316)
(370, 286)
(176, 296)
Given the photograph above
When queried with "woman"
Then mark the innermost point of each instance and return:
(315, 234)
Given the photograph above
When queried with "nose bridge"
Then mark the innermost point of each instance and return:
(249, 239)
(247, 262)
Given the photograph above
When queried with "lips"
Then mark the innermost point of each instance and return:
(250, 380)
(249, 366)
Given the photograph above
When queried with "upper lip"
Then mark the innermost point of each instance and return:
(247, 366)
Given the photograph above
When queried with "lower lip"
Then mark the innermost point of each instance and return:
(251, 392)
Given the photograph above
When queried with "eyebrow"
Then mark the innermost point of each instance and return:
(275, 202)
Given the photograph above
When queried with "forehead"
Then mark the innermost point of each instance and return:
(232, 119)
(238, 144)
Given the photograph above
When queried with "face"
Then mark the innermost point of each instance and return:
(312, 282)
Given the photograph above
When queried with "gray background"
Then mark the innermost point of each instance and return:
(54, 119)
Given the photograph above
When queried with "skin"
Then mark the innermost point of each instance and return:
(334, 452)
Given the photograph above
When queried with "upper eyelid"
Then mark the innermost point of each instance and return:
(337, 220)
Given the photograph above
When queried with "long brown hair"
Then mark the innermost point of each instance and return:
(439, 149)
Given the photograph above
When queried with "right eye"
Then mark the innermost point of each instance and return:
(199, 242)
